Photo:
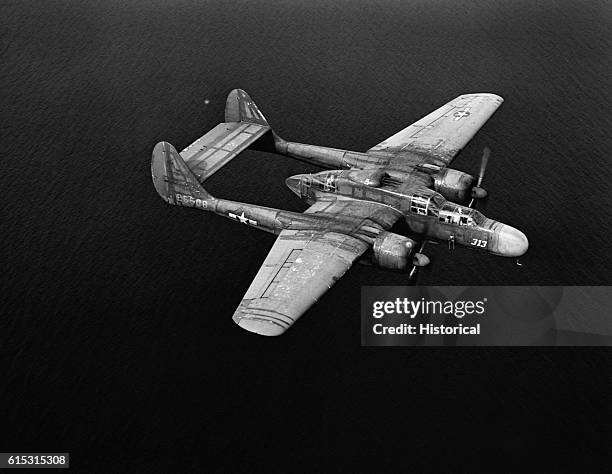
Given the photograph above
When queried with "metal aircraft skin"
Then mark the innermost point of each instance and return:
(352, 207)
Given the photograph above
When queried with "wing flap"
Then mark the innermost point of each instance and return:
(209, 153)
(444, 132)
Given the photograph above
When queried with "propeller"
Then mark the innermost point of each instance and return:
(477, 191)
(419, 260)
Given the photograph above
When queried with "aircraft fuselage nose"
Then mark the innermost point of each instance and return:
(511, 242)
(293, 183)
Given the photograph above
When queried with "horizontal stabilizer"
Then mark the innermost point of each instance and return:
(219, 146)
(244, 125)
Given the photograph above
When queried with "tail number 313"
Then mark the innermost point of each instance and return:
(478, 243)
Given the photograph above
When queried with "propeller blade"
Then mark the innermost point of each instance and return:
(412, 275)
(415, 269)
(483, 165)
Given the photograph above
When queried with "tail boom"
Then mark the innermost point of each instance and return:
(330, 158)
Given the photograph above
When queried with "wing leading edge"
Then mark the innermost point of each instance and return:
(440, 136)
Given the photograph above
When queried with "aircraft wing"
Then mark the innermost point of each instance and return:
(219, 146)
(301, 266)
(438, 137)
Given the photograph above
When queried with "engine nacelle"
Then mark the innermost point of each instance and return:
(453, 185)
(392, 251)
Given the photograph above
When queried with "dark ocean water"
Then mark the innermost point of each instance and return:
(116, 308)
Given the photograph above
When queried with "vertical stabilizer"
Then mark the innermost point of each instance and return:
(239, 107)
(172, 179)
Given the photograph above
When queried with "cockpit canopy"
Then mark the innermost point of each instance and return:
(428, 203)
(326, 180)
(452, 213)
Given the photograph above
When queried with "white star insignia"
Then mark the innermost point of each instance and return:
(242, 218)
